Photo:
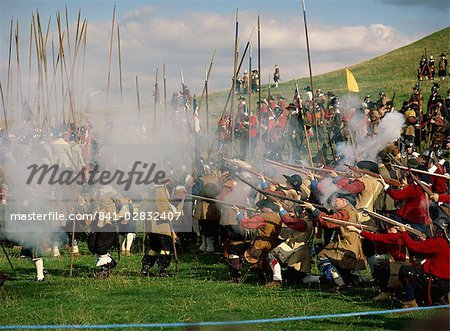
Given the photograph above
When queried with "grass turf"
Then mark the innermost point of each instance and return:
(197, 293)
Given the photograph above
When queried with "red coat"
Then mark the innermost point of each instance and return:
(415, 204)
(438, 184)
(445, 198)
(294, 223)
(437, 252)
(352, 186)
(392, 242)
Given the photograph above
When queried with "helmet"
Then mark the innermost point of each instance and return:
(442, 224)
(382, 94)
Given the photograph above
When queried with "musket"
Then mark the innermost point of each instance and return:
(422, 185)
(274, 195)
(390, 181)
(315, 169)
(357, 225)
(420, 171)
(385, 219)
(225, 203)
(287, 166)
(249, 170)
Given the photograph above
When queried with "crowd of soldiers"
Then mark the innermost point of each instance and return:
(279, 218)
(426, 69)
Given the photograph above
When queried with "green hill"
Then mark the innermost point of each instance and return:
(395, 71)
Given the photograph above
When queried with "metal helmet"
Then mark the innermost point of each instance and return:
(442, 224)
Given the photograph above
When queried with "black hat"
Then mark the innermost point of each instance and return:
(369, 165)
(291, 106)
(330, 94)
(294, 180)
(442, 54)
(307, 88)
(267, 203)
(241, 97)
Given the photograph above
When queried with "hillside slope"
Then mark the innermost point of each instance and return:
(395, 71)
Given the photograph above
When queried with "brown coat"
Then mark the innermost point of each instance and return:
(266, 237)
(366, 199)
(294, 251)
(345, 249)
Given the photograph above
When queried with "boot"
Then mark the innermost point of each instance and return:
(76, 251)
(235, 269)
(210, 244)
(311, 279)
(39, 264)
(56, 252)
(130, 239)
(148, 261)
(163, 264)
(202, 247)
(383, 296)
(410, 304)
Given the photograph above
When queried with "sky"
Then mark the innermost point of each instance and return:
(183, 35)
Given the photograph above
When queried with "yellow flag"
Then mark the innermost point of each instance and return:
(352, 85)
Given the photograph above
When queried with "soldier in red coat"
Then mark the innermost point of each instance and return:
(414, 210)
(427, 284)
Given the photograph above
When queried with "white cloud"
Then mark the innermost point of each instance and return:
(149, 40)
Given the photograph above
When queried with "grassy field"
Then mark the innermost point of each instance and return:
(395, 71)
(197, 293)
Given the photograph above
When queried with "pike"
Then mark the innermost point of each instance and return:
(205, 93)
(390, 181)
(165, 95)
(120, 63)
(110, 54)
(233, 87)
(230, 92)
(357, 225)
(225, 203)
(311, 80)
(300, 110)
(137, 97)
(155, 101)
(4, 108)
(393, 222)
(250, 104)
(19, 75)
(8, 81)
(275, 195)
(420, 171)
(259, 92)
